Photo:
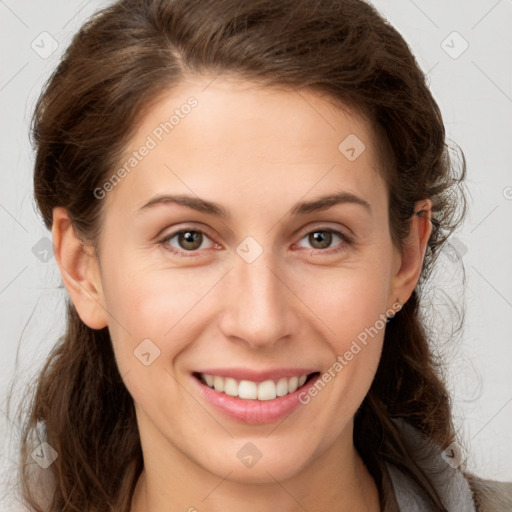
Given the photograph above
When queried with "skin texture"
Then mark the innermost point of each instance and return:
(256, 151)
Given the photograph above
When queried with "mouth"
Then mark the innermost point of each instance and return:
(260, 390)
(256, 397)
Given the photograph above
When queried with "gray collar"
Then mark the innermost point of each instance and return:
(441, 468)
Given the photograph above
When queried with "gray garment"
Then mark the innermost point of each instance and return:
(450, 483)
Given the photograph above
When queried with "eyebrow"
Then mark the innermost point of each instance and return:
(217, 210)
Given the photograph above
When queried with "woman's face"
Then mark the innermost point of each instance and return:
(268, 281)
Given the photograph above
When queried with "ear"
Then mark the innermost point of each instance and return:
(409, 263)
(79, 269)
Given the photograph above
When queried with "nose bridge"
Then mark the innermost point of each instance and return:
(258, 310)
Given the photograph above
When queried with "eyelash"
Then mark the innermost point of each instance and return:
(342, 246)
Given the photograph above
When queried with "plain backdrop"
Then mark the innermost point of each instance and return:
(463, 46)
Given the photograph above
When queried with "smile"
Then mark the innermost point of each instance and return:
(250, 390)
(252, 397)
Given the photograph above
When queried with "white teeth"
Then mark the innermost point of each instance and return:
(249, 390)
(218, 383)
(282, 387)
(230, 386)
(293, 384)
(267, 390)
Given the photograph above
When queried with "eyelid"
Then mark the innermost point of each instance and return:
(347, 239)
(163, 240)
(347, 233)
(172, 232)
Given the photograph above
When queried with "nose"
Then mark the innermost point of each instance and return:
(259, 306)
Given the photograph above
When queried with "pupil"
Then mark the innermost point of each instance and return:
(324, 238)
(190, 239)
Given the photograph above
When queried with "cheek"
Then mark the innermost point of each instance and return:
(347, 300)
(160, 305)
(351, 303)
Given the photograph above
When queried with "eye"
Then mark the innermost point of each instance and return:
(186, 240)
(321, 239)
(192, 240)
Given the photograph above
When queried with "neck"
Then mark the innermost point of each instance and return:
(336, 480)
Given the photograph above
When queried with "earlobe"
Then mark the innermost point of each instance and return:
(79, 270)
(410, 262)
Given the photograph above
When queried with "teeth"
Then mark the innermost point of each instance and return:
(293, 384)
(267, 390)
(249, 390)
(218, 383)
(282, 387)
(230, 386)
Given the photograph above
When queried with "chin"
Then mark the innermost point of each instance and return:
(279, 464)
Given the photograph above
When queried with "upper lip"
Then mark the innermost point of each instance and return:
(257, 376)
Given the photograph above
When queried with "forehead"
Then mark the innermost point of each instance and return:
(212, 137)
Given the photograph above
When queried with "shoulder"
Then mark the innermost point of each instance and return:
(490, 495)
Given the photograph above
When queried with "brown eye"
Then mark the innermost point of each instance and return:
(325, 240)
(190, 240)
(187, 241)
(320, 239)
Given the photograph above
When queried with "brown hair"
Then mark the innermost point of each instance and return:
(116, 66)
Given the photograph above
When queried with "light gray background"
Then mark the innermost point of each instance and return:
(474, 91)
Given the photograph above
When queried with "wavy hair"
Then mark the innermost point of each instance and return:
(118, 64)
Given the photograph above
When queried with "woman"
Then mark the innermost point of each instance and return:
(245, 199)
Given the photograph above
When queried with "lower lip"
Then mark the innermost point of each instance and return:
(254, 411)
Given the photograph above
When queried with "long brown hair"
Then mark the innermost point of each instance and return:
(117, 65)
